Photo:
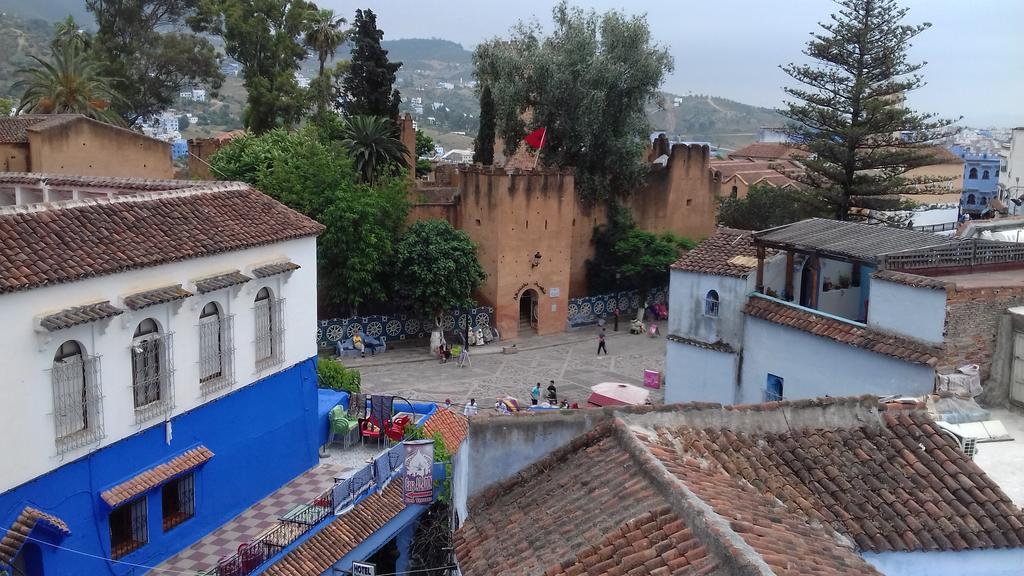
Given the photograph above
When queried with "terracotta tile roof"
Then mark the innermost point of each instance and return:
(274, 269)
(726, 169)
(845, 332)
(27, 519)
(221, 281)
(85, 238)
(887, 479)
(717, 254)
(910, 279)
(768, 150)
(317, 554)
(451, 426)
(141, 300)
(156, 475)
(787, 488)
(13, 128)
(79, 315)
(716, 346)
(112, 184)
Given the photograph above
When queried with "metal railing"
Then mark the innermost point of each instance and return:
(216, 354)
(152, 376)
(77, 402)
(973, 252)
(937, 227)
(334, 501)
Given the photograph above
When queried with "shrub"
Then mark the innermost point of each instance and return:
(336, 377)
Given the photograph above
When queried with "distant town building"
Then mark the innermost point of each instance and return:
(302, 80)
(193, 95)
(168, 121)
(981, 184)
(770, 135)
(1011, 174)
(179, 148)
(75, 144)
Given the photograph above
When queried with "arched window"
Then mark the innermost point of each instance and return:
(983, 200)
(711, 304)
(269, 332)
(151, 370)
(76, 409)
(973, 174)
(735, 192)
(984, 175)
(971, 199)
(215, 348)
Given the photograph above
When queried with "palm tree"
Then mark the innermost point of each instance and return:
(325, 35)
(372, 141)
(69, 84)
(67, 32)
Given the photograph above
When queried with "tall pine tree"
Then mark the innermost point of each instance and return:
(370, 80)
(483, 145)
(850, 113)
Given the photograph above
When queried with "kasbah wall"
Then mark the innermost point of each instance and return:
(92, 148)
(512, 215)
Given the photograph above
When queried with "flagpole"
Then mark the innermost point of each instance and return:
(543, 135)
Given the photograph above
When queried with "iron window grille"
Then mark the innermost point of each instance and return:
(711, 304)
(128, 528)
(152, 376)
(77, 401)
(269, 316)
(178, 501)
(216, 352)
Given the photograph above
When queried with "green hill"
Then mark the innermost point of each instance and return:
(702, 118)
(20, 38)
(48, 10)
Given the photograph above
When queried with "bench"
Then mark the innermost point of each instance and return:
(346, 348)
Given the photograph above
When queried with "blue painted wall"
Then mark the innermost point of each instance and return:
(999, 562)
(262, 436)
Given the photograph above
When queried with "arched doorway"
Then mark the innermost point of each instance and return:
(528, 312)
(809, 283)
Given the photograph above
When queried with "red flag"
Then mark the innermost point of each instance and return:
(535, 139)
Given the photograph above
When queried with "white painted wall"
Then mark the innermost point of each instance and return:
(686, 318)
(813, 366)
(918, 313)
(27, 436)
(1014, 175)
(695, 374)
(999, 562)
(844, 302)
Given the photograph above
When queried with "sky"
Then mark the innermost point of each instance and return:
(733, 48)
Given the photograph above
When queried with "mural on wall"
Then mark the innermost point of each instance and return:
(397, 326)
(587, 310)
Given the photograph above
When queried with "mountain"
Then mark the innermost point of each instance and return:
(19, 39)
(48, 10)
(702, 118)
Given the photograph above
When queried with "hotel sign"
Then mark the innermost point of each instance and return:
(418, 479)
(364, 569)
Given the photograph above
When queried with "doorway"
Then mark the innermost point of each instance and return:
(29, 561)
(528, 311)
(809, 283)
(1017, 371)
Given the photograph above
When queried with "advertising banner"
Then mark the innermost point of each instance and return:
(418, 478)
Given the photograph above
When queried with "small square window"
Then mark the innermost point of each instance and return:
(178, 498)
(128, 528)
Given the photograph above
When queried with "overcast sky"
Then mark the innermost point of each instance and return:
(732, 48)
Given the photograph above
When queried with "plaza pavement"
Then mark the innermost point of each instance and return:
(570, 359)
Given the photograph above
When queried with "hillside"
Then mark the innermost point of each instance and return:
(704, 118)
(20, 38)
(48, 10)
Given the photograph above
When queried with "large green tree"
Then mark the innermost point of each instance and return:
(767, 207)
(627, 258)
(324, 35)
(483, 144)
(144, 46)
(437, 268)
(265, 37)
(587, 82)
(850, 114)
(306, 172)
(369, 85)
(70, 82)
(373, 144)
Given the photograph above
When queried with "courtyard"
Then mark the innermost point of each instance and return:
(569, 359)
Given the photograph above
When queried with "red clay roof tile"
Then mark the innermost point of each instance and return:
(153, 477)
(16, 535)
(718, 254)
(450, 425)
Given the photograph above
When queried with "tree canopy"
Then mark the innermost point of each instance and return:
(312, 176)
(70, 82)
(373, 144)
(265, 37)
(369, 84)
(483, 144)
(437, 268)
(587, 82)
(767, 207)
(849, 111)
(626, 257)
(145, 48)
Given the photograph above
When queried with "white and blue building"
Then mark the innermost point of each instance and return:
(159, 366)
(981, 183)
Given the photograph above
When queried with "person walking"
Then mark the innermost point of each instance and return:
(470, 409)
(600, 343)
(464, 357)
(552, 394)
(535, 394)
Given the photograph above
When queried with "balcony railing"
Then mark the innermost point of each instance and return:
(304, 518)
(973, 252)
